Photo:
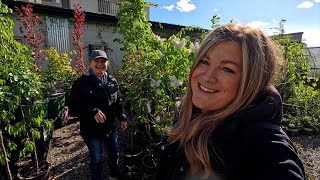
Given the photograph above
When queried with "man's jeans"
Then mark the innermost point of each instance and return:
(95, 146)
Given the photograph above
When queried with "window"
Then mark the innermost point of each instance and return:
(105, 48)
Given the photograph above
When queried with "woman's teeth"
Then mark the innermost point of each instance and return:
(207, 89)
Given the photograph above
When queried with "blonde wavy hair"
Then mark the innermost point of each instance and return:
(260, 59)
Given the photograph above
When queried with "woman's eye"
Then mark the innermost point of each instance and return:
(203, 61)
(228, 70)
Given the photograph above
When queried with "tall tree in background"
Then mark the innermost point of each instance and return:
(33, 33)
(280, 29)
(77, 34)
(215, 21)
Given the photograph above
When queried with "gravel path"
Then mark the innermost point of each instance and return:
(69, 156)
(309, 151)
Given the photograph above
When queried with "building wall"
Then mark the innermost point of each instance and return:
(56, 3)
(97, 36)
(315, 51)
(88, 6)
(109, 7)
(296, 36)
(101, 36)
(58, 33)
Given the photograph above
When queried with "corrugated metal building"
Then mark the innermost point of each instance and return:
(58, 25)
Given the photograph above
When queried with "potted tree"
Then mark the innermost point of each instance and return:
(155, 67)
(35, 129)
(149, 164)
(308, 125)
(294, 126)
(57, 78)
(132, 153)
(18, 83)
(4, 159)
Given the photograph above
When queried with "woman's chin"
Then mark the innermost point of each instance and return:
(199, 105)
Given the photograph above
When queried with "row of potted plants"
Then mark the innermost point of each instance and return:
(30, 99)
(299, 92)
(295, 125)
(157, 68)
(18, 85)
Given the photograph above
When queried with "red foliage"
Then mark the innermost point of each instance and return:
(33, 34)
(77, 34)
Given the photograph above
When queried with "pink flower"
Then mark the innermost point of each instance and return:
(59, 84)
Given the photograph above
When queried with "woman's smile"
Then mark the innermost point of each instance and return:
(207, 90)
(216, 78)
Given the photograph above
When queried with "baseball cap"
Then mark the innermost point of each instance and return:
(98, 54)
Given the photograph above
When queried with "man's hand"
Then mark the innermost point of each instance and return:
(100, 117)
(123, 125)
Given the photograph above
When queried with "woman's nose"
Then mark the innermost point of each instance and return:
(210, 75)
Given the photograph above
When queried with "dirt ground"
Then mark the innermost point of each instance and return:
(68, 154)
(69, 159)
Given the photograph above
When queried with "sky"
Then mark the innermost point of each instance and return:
(299, 15)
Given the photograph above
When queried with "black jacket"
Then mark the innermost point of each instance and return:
(248, 145)
(87, 95)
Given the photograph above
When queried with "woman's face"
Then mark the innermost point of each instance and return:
(99, 66)
(216, 78)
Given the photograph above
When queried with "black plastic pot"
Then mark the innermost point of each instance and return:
(148, 161)
(131, 158)
(28, 172)
(292, 131)
(67, 96)
(132, 155)
(55, 105)
(42, 144)
(307, 131)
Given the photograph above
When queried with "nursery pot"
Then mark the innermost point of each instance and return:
(292, 131)
(148, 161)
(55, 105)
(28, 172)
(43, 144)
(307, 131)
(44, 103)
(132, 155)
(131, 159)
(149, 165)
(67, 96)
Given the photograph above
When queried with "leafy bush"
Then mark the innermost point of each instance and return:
(60, 74)
(296, 88)
(153, 66)
(18, 84)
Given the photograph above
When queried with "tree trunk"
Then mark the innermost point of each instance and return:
(5, 157)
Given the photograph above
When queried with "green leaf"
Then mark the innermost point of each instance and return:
(36, 134)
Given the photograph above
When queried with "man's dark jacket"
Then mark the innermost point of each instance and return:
(88, 95)
(248, 145)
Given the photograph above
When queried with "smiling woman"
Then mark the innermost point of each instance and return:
(228, 124)
(216, 78)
